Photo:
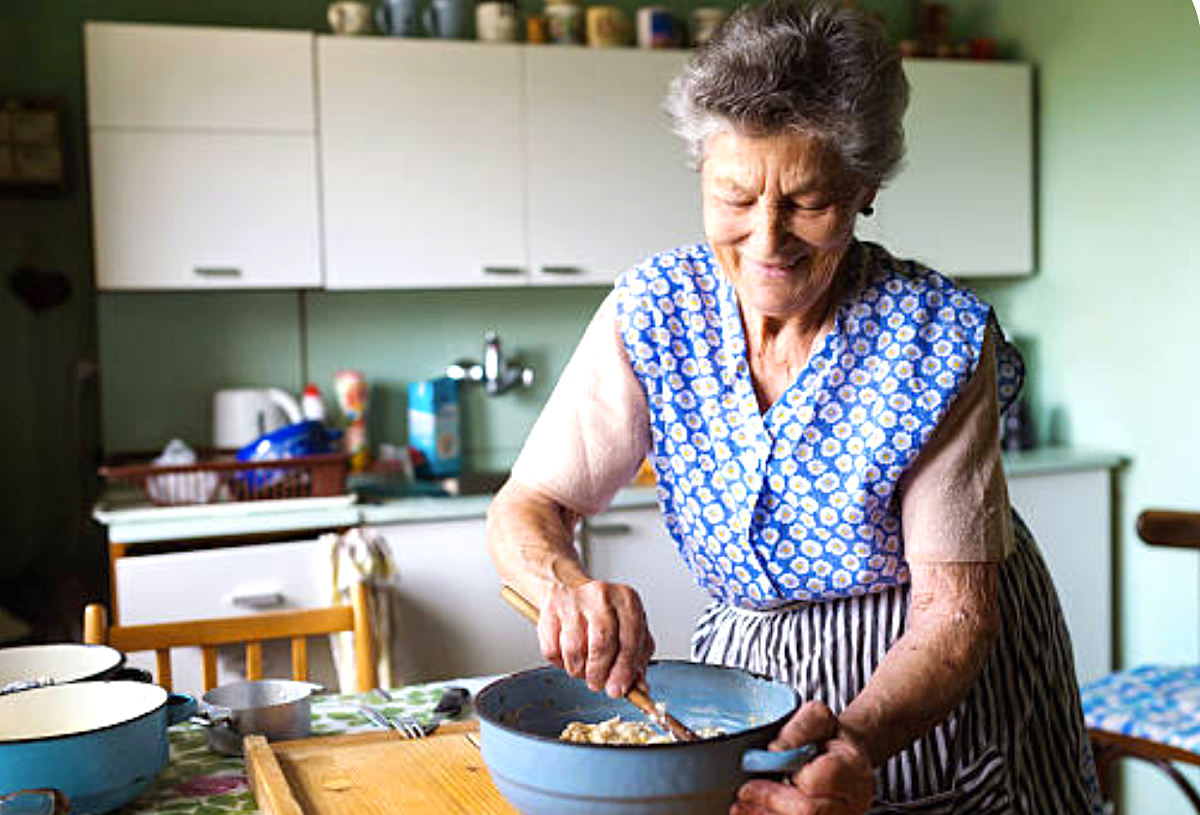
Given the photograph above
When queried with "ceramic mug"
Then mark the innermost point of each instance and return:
(606, 27)
(400, 18)
(704, 22)
(446, 19)
(496, 21)
(656, 28)
(564, 22)
(349, 17)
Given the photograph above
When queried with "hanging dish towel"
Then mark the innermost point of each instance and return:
(361, 555)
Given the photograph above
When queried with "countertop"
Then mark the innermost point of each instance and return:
(144, 524)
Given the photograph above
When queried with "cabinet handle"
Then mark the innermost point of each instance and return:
(216, 271)
(608, 530)
(258, 600)
(562, 270)
(508, 271)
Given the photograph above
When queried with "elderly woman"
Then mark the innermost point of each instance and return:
(822, 419)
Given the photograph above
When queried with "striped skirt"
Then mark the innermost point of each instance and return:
(1016, 743)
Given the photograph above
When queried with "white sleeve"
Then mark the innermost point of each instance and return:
(594, 431)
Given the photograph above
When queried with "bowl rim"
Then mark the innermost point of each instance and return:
(494, 687)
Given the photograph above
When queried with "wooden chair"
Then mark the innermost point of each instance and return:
(1134, 714)
(251, 630)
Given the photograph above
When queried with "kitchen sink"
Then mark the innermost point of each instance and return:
(480, 483)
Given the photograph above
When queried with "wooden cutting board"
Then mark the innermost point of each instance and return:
(375, 773)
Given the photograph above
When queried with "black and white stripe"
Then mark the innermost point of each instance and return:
(1015, 746)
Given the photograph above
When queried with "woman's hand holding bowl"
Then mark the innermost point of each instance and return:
(597, 631)
(839, 781)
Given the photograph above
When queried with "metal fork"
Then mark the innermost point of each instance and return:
(406, 726)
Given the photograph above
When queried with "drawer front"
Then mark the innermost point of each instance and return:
(195, 77)
(222, 582)
(227, 583)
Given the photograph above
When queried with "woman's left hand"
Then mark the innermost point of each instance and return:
(839, 781)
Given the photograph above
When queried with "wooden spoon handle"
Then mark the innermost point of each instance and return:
(637, 697)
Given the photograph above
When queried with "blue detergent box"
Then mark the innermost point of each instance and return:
(433, 426)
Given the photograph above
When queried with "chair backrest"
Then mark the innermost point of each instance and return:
(251, 630)
(1164, 527)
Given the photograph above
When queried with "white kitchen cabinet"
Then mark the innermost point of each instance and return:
(421, 160)
(608, 182)
(453, 621)
(1069, 513)
(203, 155)
(632, 546)
(963, 202)
(465, 164)
(227, 582)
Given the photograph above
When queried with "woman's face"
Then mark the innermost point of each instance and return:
(776, 208)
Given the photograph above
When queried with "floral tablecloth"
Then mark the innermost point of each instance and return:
(197, 781)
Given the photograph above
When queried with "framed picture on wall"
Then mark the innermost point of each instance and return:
(31, 146)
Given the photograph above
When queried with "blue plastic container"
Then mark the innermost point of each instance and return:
(523, 715)
(433, 426)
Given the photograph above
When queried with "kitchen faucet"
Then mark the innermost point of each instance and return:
(495, 373)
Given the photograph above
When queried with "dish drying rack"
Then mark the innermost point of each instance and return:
(222, 478)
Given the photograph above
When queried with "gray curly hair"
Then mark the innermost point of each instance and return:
(782, 66)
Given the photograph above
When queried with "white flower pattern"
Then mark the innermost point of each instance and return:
(769, 512)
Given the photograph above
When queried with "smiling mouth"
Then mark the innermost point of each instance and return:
(776, 271)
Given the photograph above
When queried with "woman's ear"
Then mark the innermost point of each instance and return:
(868, 198)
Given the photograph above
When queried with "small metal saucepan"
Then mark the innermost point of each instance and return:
(278, 709)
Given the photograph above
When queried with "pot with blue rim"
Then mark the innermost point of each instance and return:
(98, 743)
(523, 715)
(31, 666)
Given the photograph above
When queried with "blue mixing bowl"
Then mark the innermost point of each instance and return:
(523, 714)
(308, 438)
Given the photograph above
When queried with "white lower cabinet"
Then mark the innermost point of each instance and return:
(453, 621)
(1070, 516)
(227, 582)
(632, 546)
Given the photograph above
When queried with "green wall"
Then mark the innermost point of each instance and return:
(1114, 304)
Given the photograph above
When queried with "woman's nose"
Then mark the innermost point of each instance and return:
(768, 230)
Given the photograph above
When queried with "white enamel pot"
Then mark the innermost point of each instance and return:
(55, 664)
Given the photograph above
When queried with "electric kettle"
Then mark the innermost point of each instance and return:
(241, 415)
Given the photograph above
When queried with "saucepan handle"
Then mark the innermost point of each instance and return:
(777, 762)
(34, 802)
(179, 707)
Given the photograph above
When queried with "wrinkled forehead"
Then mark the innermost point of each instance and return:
(794, 161)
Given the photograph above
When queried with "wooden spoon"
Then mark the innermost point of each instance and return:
(639, 698)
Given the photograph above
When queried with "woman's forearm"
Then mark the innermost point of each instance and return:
(953, 621)
(531, 540)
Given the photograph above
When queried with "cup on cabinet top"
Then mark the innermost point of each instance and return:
(399, 18)
(657, 28)
(607, 27)
(447, 19)
(349, 17)
(496, 21)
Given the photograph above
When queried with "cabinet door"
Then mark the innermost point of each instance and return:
(453, 621)
(632, 546)
(176, 210)
(421, 164)
(195, 77)
(1070, 516)
(963, 202)
(609, 183)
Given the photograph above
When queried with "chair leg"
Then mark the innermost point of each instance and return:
(1106, 754)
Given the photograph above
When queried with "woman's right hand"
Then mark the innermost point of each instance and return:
(597, 631)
